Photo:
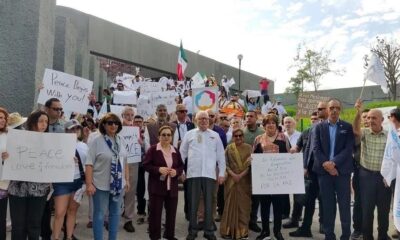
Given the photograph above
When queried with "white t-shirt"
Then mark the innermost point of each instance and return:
(188, 102)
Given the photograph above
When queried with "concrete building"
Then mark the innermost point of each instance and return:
(37, 34)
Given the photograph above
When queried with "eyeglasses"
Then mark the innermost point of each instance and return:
(223, 118)
(57, 109)
(166, 135)
(238, 136)
(320, 109)
(249, 116)
(211, 116)
(333, 108)
(110, 123)
(182, 111)
(161, 110)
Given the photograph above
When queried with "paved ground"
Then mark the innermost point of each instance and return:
(83, 233)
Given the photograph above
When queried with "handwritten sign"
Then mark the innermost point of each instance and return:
(205, 98)
(132, 146)
(307, 104)
(40, 157)
(167, 98)
(71, 90)
(145, 107)
(150, 87)
(125, 97)
(277, 173)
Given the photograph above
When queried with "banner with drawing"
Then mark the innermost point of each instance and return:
(40, 157)
(277, 173)
(71, 90)
(204, 99)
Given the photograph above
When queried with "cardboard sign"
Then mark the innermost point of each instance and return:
(150, 87)
(40, 157)
(145, 107)
(307, 104)
(205, 98)
(131, 143)
(125, 97)
(71, 90)
(167, 98)
(277, 173)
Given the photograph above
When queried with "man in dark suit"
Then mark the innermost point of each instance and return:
(333, 146)
(183, 125)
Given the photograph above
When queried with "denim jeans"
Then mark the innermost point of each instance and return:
(103, 201)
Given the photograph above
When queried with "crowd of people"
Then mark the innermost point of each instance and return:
(209, 152)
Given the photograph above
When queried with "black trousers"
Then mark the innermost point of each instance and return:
(46, 220)
(255, 203)
(312, 193)
(297, 207)
(140, 191)
(156, 204)
(265, 202)
(357, 209)
(196, 187)
(220, 200)
(374, 193)
(26, 217)
(3, 218)
(285, 205)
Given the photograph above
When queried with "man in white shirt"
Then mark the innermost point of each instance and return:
(203, 149)
(188, 102)
(290, 130)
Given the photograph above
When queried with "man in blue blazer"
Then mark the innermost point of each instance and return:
(333, 145)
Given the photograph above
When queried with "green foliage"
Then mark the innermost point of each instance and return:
(347, 114)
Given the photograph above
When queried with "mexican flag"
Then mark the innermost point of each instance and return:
(182, 63)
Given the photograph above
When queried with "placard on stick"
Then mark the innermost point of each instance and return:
(307, 104)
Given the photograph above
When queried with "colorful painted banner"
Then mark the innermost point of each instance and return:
(205, 98)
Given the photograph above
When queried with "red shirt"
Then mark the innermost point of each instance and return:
(264, 84)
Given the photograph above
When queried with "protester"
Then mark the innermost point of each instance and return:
(264, 84)
(372, 184)
(250, 132)
(16, 121)
(28, 199)
(162, 115)
(312, 191)
(272, 141)
(333, 148)
(164, 164)
(188, 102)
(290, 130)
(236, 215)
(3, 184)
(355, 182)
(64, 202)
(106, 175)
(203, 149)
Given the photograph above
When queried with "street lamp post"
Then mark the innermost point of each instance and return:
(240, 57)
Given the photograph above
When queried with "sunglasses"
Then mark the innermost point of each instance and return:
(182, 111)
(320, 109)
(211, 116)
(240, 135)
(110, 123)
(57, 109)
(166, 135)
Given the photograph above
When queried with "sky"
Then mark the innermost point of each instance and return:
(266, 32)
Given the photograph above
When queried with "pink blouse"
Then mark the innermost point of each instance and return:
(168, 161)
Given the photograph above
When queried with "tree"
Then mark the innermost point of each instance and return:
(312, 66)
(389, 54)
(296, 84)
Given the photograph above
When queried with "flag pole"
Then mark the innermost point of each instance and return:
(362, 89)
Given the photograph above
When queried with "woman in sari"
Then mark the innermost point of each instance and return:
(236, 216)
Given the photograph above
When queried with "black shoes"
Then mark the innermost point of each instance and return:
(254, 227)
(210, 237)
(279, 236)
(128, 226)
(263, 236)
(191, 237)
(291, 224)
(301, 232)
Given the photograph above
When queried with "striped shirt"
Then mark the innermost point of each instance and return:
(372, 149)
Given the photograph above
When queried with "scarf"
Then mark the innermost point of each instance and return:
(116, 168)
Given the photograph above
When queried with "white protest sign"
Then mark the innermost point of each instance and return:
(125, 97)
(205, 98)
(150, 87)
(199, 80)
(71, 90)
(167, 98)
(40, 157)
(3, 148)
(131, 144)
(145, 107)
(251, 93)
(277, 173)
(127, 76)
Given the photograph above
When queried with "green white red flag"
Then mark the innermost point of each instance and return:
(182, 63)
